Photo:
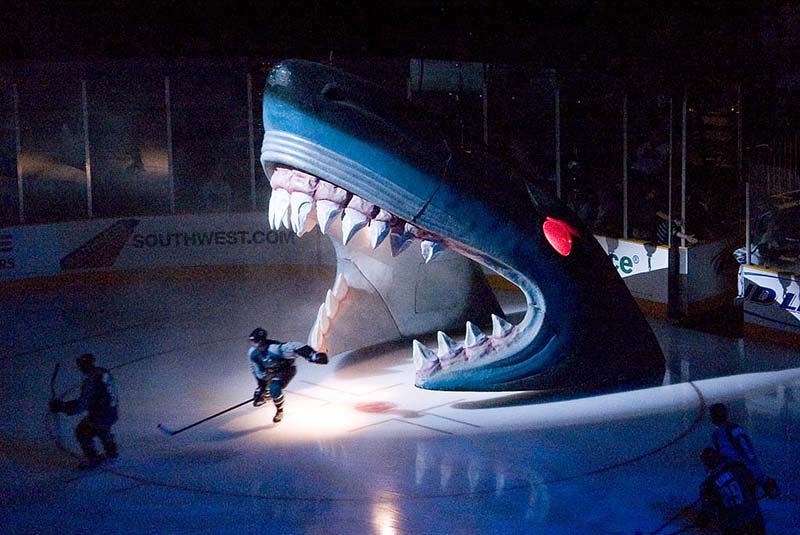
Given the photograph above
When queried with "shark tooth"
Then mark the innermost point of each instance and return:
(500, 327)
(447, 347)
(316, 338)
(302, 204)
(474, 336)
(422, 355)
(327, 212)
(430, 249)
(331, 304)
(279, 203)
(323, 321)
(352, 222)
(378, 230)
(340, 287)
(399, 242)
(286, 218)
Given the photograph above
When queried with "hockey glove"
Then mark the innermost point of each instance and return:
(305, 351)
(318, 358)
(56, 405)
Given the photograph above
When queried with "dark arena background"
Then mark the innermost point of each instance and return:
(138, 223)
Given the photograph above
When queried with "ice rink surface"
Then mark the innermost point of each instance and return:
(361, 450)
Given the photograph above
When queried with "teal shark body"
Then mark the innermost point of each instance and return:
(581, 331)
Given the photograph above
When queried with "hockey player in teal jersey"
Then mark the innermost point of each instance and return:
(272, 363)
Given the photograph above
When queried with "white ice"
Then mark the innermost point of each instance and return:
(361, 450)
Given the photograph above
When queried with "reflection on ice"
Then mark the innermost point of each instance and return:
(385, 515)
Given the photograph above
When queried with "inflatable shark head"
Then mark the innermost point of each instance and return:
(344, 154)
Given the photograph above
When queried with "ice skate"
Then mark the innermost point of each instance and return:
(260, 396)
(278, 416)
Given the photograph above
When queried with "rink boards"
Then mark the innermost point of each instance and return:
(771, 299)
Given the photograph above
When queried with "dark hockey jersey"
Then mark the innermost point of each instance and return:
(98, 397)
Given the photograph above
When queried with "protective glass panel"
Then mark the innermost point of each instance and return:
(713, 205)
(52, 158)
(9, 190)
(521, 121)
(128, 139)
(591, 151)
(454, 92)
(258, 76)
(210, 139)
(774, 173)
(648, 167)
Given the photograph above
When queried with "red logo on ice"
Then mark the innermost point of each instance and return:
(559, 235)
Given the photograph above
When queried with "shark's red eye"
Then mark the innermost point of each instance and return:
(559, 235)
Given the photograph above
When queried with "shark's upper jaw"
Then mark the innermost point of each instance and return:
(301, 201)
(342, 153)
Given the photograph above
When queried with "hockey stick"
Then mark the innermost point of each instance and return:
(53, 381)
(170, 432)
(54, 428)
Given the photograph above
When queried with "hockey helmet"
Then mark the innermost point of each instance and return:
(85, 362)
(258, 336)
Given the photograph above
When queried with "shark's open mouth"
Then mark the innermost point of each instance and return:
(379, 178)
(300, 202)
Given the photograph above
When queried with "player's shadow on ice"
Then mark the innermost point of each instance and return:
(221, 436)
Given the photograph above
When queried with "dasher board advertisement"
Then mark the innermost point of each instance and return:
(634, 257)
(643, 266)
(771, 298)
(147, 242)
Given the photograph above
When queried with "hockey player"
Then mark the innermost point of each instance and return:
(273, 366)
(732, 442)
(97, 398)
(728, 496)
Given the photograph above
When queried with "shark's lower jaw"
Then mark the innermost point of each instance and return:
(361, 232)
